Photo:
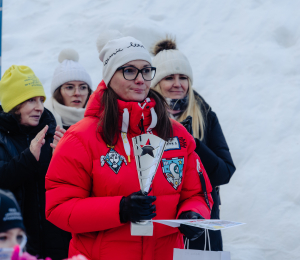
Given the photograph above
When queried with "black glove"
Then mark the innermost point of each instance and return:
(192, 233)
(137, 207)
(187, 123)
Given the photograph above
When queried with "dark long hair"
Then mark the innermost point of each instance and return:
(108, 123)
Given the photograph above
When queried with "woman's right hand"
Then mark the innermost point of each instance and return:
(137, 207)
(37, 143)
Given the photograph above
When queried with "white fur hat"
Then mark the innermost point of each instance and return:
(69, 69)
(116, 50)
(168, 60)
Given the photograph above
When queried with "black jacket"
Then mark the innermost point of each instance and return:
(21, 173)
(215, 156)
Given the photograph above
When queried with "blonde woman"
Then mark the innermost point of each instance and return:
(174, 79)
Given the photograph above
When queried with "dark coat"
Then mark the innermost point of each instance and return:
(215, 156)
(21, 173)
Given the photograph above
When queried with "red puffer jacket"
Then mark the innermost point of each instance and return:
(84, 188)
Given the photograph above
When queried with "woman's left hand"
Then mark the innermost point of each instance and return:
(59, 132)
(192, 233)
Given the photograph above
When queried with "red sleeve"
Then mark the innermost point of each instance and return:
(68, 189)
(192, 196)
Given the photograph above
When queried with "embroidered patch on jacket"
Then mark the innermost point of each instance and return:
(182, 142)
(175, 143)
(172, 170)
(113, 159)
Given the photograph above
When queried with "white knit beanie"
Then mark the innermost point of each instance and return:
(69, 70)
(168, 60)
(116, 50)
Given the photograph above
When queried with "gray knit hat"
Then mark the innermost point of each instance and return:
(116, 50)
(168, 60)
(69, 69)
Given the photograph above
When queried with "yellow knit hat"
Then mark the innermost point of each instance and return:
(18, 84)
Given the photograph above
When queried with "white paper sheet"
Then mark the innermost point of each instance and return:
(211, 224)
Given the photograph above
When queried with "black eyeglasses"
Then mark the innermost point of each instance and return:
(131, 72)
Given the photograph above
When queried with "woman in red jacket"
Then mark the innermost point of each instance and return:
(92, 186)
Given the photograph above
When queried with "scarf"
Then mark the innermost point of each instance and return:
(178, 106)
(64, 116)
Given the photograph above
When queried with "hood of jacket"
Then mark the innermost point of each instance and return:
(134, 117)
(8, 123)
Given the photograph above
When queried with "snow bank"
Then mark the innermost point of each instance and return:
(246, 61)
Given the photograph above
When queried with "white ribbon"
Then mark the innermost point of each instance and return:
(154, 120)
(153, 116)
(125, 124)
(125, 120)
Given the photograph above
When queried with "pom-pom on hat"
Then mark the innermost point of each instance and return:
(10, 213)
(69, 69)
(116, 50)
(18, 84)
(168, 60)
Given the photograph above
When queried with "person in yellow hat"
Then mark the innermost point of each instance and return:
(18, 84)
(28, 135)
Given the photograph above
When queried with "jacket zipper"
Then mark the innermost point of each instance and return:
(142, 126)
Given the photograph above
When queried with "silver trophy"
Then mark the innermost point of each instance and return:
(148, 150)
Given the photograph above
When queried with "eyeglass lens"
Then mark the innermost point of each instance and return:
(70, 90)
(130, 73)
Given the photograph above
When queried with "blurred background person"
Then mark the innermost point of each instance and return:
(174, 80)
(71, 88)
(12, 230)
(27, 132)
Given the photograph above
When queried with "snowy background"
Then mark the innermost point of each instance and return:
(245, 57)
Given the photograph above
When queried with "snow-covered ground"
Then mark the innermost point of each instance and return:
(246, 60)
